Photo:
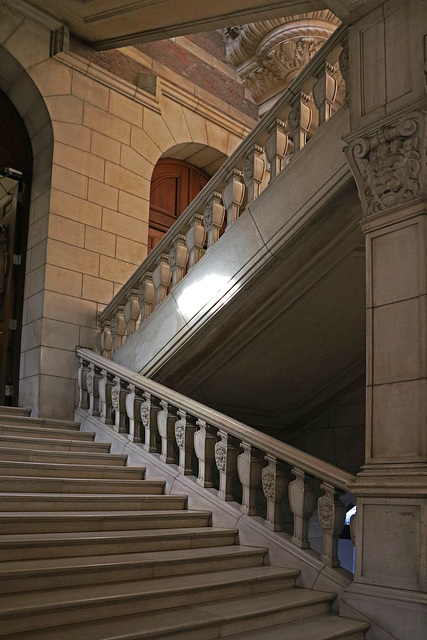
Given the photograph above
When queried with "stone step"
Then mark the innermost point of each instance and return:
(80, 485)
(33, 454)
(23, 421)
(33, 502)
(51, 573)
(51, 444)
(45, 432)
(100, 542)
(56, 470)
(14, 411)
(45, 522)
(214, 607)
(19, 612)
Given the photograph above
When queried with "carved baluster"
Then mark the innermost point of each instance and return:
(161, 277)
(253, 172)
(226, 462)
(118, 328)
(105, 386)
(344, 66)
(178, 259)
(302, 499)
(146, 295)
(275, 481)
(185, 428)
(299, 121)
(324, 92)
(276, 147)
(131, 312)
(118, 400)
(195, 239)
(106, 340)
(204, 446)
(249, 467)
(133, 410)
(233, 195)
(213, 218)
(92, 384)
(82, 380)
(166, 419)
(332, 518)
(148, 412)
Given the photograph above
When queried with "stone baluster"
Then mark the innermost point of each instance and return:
(148, 412)
(344, 65)
(166, 419)
(195, 239)
(105, 386)
(324, 92)
(299, 121)
(92, 384)
(213, 218)
(249, 467)
(178, 259)
(233, 195)
(302, 499)
(146, 295)
(82, 380)
(133, 410)
(118, 328)
(253, 172)
(185, 428)
(226, 462)
(106, 340)
(275, 481)
(161, 277)
(118, 400)
(204, 446)
(332, 518)
(276, 147)
(131, 312)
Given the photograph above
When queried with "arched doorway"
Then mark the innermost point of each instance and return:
(15, 179)
(174, 184)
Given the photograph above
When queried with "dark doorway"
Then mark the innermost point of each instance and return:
(15, 181)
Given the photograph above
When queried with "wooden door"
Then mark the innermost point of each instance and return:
(173, 186)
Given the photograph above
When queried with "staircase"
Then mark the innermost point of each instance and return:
(91, 549)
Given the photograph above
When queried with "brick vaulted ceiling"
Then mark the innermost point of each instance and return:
(108, 24)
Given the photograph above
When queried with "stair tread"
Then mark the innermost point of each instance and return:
(174, 497)
(46, 452)
(146, 482)
(20, 464)
(18, 411)
(87, 595)
(52, 441)
(30, 429)
(158, 624)
(15, 567)
(73, 515)
(29, 420)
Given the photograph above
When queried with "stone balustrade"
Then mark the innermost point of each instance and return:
(309, 102)
(266, 477)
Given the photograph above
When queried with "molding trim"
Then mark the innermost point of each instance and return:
(46, 20)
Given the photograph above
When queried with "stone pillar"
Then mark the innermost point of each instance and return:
(387, 154)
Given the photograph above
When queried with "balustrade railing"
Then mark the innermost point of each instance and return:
(314, 96)
(267, 477)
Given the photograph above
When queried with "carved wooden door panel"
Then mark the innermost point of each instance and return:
(173, 186)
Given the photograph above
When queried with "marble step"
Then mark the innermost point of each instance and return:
(19, 612)
(81, 485)
(45, 432)
(14, 411)
(205, 615)
(38, 422)
(33, 454)
(33, 502)
(44, 470)
(51, 573)
(50, 522)
(52, 444)
(101, 542)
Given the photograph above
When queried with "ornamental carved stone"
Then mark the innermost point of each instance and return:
(145, 413)
(89, 381)
(115, 396)
(326, 515)
(221, 456)
(390, 165)
(180, 431)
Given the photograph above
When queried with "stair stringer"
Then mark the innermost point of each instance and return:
(314, 574)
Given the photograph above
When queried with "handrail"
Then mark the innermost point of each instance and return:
(144, 409)
(308, 102)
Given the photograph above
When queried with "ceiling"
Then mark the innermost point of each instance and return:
(108, 24)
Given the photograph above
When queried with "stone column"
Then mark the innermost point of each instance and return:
(387, 154)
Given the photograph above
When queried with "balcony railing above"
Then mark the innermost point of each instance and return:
(309, 102)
